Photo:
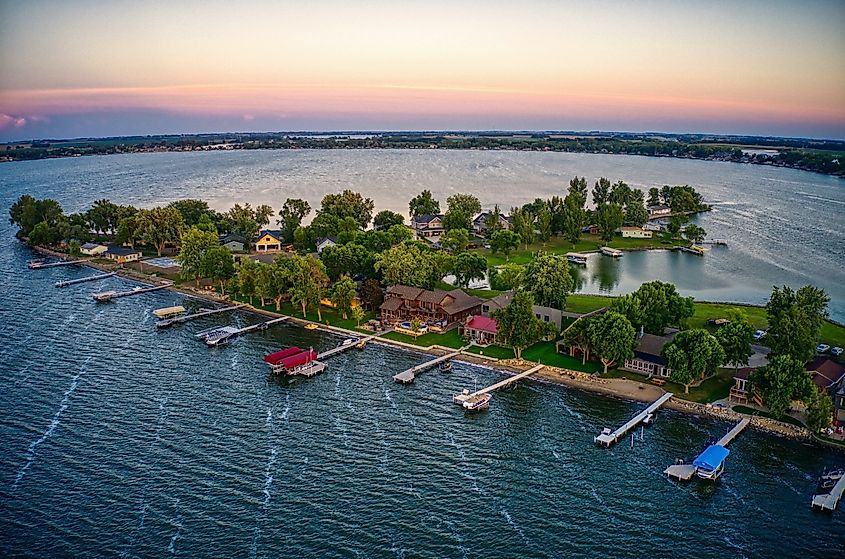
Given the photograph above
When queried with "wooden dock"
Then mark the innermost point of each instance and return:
(164, 323)
(106, 296)
(684, 472)
(342, 348)
(66, 283)
(409, 375)
(466, 396)
(607, 438)
(40, 265)
(222, 336)
(829, 501)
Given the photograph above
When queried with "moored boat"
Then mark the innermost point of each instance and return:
(577, 258)
(710, 464)
(311, 326)
(476, 403)
(607, 251)
(445, 366)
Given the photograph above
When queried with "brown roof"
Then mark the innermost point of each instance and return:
(404, 291)
(743, 373)
(462, 302)
(435, 296)
(391, 304)
(650, 344)
(825, 372)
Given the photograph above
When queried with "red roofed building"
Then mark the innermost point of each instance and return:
(294, 361)
(277, 357)
(480, 329)
(826, 373)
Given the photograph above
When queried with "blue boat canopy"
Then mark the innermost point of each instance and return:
(712, 457)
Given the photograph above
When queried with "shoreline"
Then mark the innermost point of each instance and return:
(619, 389)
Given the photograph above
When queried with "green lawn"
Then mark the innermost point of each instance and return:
(329, 316)
(446, 339)
(751, 411)
(546, 353)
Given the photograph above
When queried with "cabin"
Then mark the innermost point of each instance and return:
(656, 212)
(546, 314)
(268, 241)
(479, 329)
(428, 226)
(93, 249)
(325, 242)
(479, 222)
(122, 255)
(635, 233)
(403, 303)
(233, 241)
(647, 359)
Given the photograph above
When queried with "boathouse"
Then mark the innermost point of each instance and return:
(295, 361)
(479, 329)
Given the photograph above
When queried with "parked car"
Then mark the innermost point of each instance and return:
(837, 351)
(758, 335)
(822, 348)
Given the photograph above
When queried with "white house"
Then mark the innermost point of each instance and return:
(325, 242)
(428, 225)
(635, 232)
(93, 249)
(121, 255)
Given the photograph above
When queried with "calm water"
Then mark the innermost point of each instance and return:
(783, 226)
(122, 440)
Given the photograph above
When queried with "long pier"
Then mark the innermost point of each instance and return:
(164, 323)
(66, 283)
(607, 438)
(684, 472)
(466, 395)
(829, 501)
(221, 336)
(409, 375)
(357, 341)
(109, 295)
(40, 265)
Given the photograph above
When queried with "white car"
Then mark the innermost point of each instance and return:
(759, 334)
(822, 348)
(837, 351)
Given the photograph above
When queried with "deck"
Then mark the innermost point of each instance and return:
(830, 500)
(684, 472)
(408, 375)
(106, 296)
(164, 323)
(40, 265)
(221, 336)
(342, 348)
(66, 283)
(608, 439)
(469, 397)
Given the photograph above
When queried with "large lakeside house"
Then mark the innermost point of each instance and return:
(429, 226)
(479, 222)
(546, 314)
(404, 304)
(268, 240)
(647, 359)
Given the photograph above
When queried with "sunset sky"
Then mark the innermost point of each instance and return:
(75, 68)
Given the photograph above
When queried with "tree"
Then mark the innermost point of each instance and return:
(127, 231)
(505, 277)
(469, 266)
(516, 324)
(293, 211)
(548, 279)
(692, 354)
(279, 278)
(247, 274)
(342, 294)
(348, 204)
(522, 223)
(735, 338)
(372, 295)
(456, 219)
(386, 219)
(398, 234)
(694, 233)
(578, 188)
(27, 212)
(455, 240)
(191, 210)
(493, 221)
(572, 218)
(408, 264)
(205, 223)
(820, 411)
(102, 216)
(609, 218)
(358, 315)
(780, 382)
(262, 215)
(301, 239)
(578, 335)
(544, 224)
(423, 204)
(242, 220)
(635, 213)
(795, 320)
(41, 235)
(194, 244)
(653, 196)
(159, 226)
(654, 306)
(308, 281)
(466, 204)
(349, 259)
(504, 241)
(324, 225)
(612, 338)
(601, 192)
(218, 265)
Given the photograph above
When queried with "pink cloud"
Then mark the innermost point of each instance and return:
(9, 121)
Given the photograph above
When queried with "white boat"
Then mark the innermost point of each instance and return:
(607, 251)
(577, 258)
(348, 341)
(479, 402)
(649, 419)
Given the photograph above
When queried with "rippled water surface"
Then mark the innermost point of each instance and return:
(122, 440)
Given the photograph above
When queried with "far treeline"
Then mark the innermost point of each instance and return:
(822, 156)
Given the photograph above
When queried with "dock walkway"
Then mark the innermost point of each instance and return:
(409, 375)
(684, 472)
(109, 295)
(66, 283)
(40, 265)
(466, 396)
(731, 435)
(342, 348)
(830, 500)
(608, 439)
(221, 336)
(164, 323)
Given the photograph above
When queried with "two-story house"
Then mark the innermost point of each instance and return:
(403, 304)
(428, 226)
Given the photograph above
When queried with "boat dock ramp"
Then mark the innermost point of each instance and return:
(408, 376)
(164, 323)
(685, 472)
(613, 252)
(221, 336)
(350, 343)
(466, 398)
(608, 438)
(106, 296)
(39, 264)
(66, 283)
(829, 501)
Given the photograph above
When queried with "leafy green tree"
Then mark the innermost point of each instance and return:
(372, 295)
(548, 279)
(735, 338)
(407, 264)
(469, 266)
(780, 382)
(504, 241)
(41, 235)
(218, 265)
(349, 259)
(242, 220)
(348, 204)
(293, 211)
(544, 224)
(493, 221)
(573, 218)
(578, 335)
(308, 282)
(262, 215)
(348, 230)
(399, 234)
(342, 294)
(386, 219)
(423, 204)
(358, 315)
(635, 213)
(506, 277)
(194, 244)
(102, 216)
(578, 188)
(654, 306)
(27, 212)
(653, 196)
(694, 233)
(466, 204)
(205, 223)
(820, 411)
(159, 226)
(456, 219)
(612, 338)
(516, 324)
(692, 354)
(247, 273)
(609, 218)
(73, 248)
(522, 223)
(324, 225)
(795, 320)
(601, 192)
(127, 231)
(301, 239)
(455, 240)
(191, 210)
(674, 227)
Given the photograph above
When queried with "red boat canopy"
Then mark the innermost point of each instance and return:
(276, 357)
(299, 359)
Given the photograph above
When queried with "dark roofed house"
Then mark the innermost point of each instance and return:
(233, 241)
(826, 373)
(647, 359)
(268, 240)
(404, 303)
(546, 314)
(429, 225)
(325, 242)
(121, 255)
(479, 222)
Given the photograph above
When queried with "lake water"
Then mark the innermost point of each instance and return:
(783, 226)
(123, 440)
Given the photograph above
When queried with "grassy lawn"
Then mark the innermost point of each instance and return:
(330, 316)
(751, 411)
(496, 351)
(446, 339)
(545, 353)
(586, 303)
